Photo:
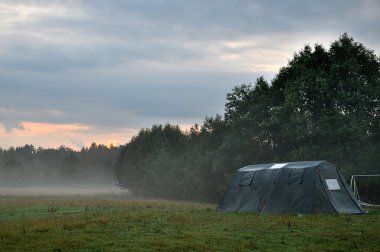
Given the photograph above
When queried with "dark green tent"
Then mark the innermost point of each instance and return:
(294, 187)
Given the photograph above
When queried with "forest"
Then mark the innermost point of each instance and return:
(323, 105)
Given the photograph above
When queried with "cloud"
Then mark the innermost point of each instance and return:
(59, 35)
(121, 64)
(118, 100)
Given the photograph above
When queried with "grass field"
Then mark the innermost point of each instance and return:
(89, 223)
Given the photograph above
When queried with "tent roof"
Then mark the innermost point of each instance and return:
(291, 165)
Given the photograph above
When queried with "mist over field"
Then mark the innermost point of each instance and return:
(31, 171)
(101, 184)
(62, 190)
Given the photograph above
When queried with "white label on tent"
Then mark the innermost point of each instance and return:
(332, 184)
(275, 166)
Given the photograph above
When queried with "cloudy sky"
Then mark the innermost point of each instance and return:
(75, 72)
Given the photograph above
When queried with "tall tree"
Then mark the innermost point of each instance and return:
(331, 102)
(151, 164)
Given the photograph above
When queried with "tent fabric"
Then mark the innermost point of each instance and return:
(293, 187)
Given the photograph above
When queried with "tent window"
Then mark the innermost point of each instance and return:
(276, 166)
(332, 184)
(246, 178)
(296, 176)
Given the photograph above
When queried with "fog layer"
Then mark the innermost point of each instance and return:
(27, 170)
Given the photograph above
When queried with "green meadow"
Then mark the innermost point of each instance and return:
(99, 223)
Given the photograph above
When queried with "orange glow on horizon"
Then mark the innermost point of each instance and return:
(74, 136)
(112, 143)
(34, 129)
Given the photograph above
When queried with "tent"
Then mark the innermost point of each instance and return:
(294, 187)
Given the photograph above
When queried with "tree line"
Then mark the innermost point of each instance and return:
(323, 105)
(30, 166)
